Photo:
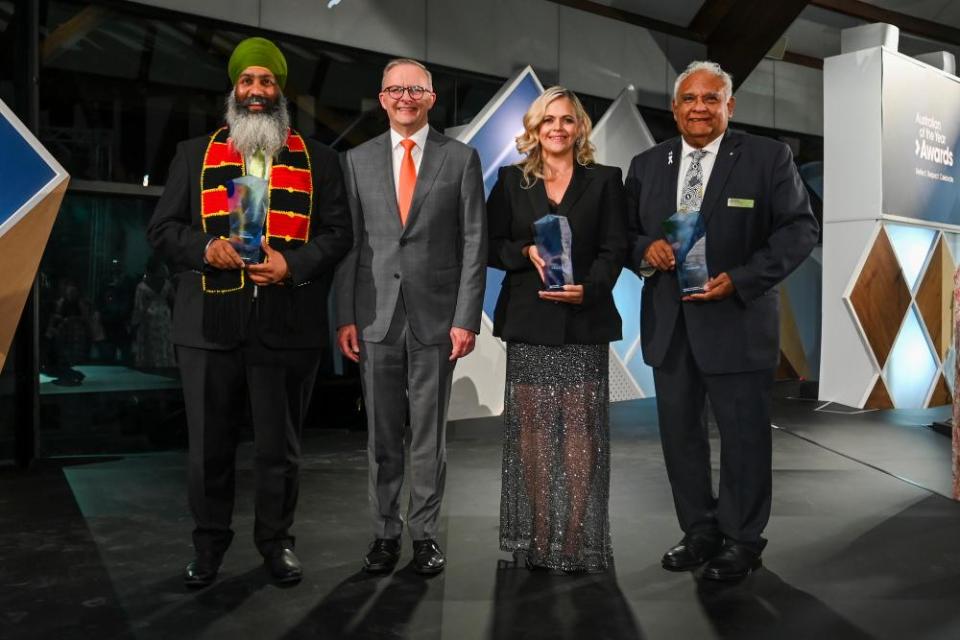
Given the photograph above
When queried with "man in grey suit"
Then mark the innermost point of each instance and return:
(409, 299)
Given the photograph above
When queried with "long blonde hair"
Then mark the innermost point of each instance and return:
(528, 143)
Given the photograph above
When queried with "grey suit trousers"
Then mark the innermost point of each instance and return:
(402, 377)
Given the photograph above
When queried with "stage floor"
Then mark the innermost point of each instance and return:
(863, 544)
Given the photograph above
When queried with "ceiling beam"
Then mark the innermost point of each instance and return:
(738, 33)
(745, 30)
(710, 15)
(910, 24)
(803, 60)
(71, 32)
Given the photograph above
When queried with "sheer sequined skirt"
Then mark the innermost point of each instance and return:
(556, 456)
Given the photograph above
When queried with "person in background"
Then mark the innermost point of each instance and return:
(151, 319)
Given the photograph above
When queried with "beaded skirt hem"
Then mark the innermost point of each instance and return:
(556, 463)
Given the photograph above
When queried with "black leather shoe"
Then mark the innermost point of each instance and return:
(202, 571)
(284, 567)
(734, 562)
(427, 557)
(383, 555)
(692, 551)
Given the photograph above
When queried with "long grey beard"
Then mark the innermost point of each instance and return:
(252, 132)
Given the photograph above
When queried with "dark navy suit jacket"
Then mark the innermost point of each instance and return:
(757, 246)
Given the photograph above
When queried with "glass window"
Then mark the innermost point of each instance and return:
(12, 53)
(107, 373)
(120, 88)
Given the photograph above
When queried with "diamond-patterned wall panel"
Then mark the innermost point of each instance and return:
(941, 394)
(879, 398)
(933, 298)
(912, 366)
(880, 297)
(911, 245)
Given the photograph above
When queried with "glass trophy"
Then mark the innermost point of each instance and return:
(247, 205)
(686, 234)
(555, 245)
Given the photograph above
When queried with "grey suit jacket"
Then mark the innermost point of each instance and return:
(438, 259)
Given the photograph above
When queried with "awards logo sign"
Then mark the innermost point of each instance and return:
(921, 139)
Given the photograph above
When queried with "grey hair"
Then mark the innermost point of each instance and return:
(396, 62)
(709, 67)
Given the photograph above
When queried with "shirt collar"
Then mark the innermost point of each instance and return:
(419, 138)
(713, 147)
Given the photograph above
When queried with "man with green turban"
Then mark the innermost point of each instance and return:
(258, 52)
(249, 332)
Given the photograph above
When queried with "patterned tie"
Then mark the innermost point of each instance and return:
(408, 180)
(692, 196)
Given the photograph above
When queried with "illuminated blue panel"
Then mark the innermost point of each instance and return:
(912, 245)
(620, 135)
(23, 171)
(912, 366)
(495, 139)
(626, 295)
(493, 134)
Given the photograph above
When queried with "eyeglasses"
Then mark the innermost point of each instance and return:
(396, 92)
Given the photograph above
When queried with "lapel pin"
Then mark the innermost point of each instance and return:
(670, 158)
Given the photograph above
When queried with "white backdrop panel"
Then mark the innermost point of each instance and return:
(600, 56)
(497, 36)
(395, 28)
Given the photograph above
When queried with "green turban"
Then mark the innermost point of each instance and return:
(257, 52)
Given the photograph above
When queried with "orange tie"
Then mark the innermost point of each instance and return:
(408, 180)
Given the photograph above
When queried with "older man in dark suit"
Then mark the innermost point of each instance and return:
(722, 343)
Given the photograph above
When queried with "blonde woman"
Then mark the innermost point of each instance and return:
(556, 472)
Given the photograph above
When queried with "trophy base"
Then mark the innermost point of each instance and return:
(689, 291)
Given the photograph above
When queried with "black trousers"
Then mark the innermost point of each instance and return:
(216, 385)
(741, 405)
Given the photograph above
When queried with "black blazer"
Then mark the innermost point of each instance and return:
(176, 233)
(595, 207)
(757, 246)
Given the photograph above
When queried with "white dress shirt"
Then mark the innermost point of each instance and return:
(420, 139)
(255, 168)
(706, 163)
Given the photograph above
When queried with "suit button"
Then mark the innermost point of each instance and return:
(397, 276)
(403, 243)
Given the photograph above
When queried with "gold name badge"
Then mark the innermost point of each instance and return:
(740, 203)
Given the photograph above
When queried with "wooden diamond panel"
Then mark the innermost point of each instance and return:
(879, 398)
(934, 296)
(880, 297)
(941, 395)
